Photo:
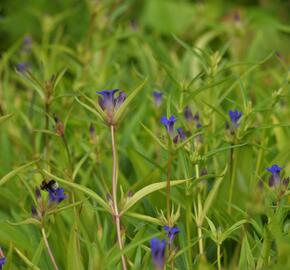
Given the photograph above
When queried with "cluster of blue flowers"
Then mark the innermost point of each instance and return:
(158, 247)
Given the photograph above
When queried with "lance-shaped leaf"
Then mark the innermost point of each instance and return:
(154, 137)
(210, 197)
(5, 117)
(33, 221)
(26, 260)
(92, 110)
(83, 189)
(119, 113)
(148, 190)
(9, 175)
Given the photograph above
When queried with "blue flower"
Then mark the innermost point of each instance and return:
(56, 195)
(107, 102)
(2, 259)
(158, 252)
(275, 178)
(168, 123)
(171, 232)
(2, 262)
(157, 98)
(21, 67)
(234, 117)
(181, 134)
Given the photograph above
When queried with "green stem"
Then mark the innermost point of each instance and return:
(264, 257)
(169, 165)
(68, 155)
(233, 165)
(48, 249)
(199, 214)
(218, 254)
(114, 191)
(188, 232)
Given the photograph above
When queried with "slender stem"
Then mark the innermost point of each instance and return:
(218, 254)
(233, 176)
(199, 209)
(68, 154)
(48, 249)
(188, 231)
(114, 191)
(172, 264)
(264, 257)
(46, 140)
(169, 165)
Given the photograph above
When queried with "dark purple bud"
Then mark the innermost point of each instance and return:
(158, 97)
(181, 134)
(119, 100)
(34, 211)
(27, 42)
(92, 130)
(204, 172)
(130, 194)
(175, 139)
(237, 16)
(37, 193)
(158, 253)
(286, 182)
(21, 67)
(188, 114)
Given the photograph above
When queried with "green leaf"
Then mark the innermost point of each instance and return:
(5, 117)
(154, 137)
(73, 252)
(148, 190)
(210, 197)
(90, 109)
(14, 172)
(33, 221)
(144, 218)
(26, 260)
(246, 261)
(85, 190)
(127, 102)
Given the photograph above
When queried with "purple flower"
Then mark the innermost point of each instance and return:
(2, 259)
(234, 117)
(158, 253)
(107, 101)
(168, 123)
(56, 195)
(157, 98)
(275, 179)
(21, 67)
(2, 262)
(26, 44)
(171, 232)
(181, 134)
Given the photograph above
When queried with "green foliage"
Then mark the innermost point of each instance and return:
(212, 56)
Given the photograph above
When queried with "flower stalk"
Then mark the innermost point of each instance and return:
(114, 199)
(44, 236)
